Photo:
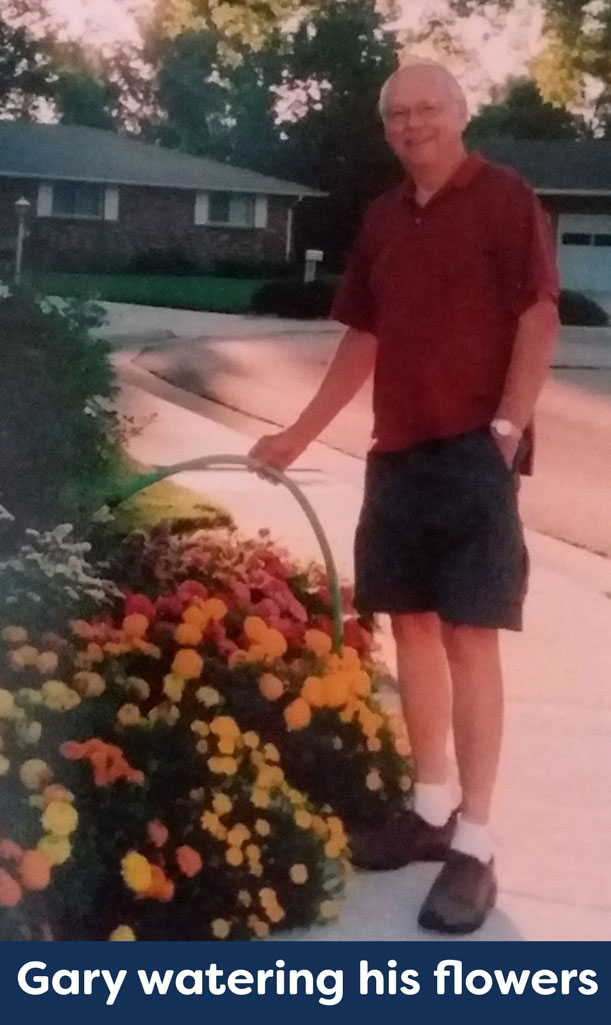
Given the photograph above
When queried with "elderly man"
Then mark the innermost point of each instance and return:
(450, 298)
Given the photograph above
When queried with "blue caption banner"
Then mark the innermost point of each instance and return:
(118, 981)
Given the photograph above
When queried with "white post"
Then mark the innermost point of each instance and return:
(21, 207)
(312, 258)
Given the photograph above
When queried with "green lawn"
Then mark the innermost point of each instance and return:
(220, 295)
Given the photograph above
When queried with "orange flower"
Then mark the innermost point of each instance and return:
(313, 691)
(337, 690)
(108, 762)
(188, 634)
(194, 616)
(318, 642)
(161, 887)
(188, 861)
(10, 850)
(135, 625)
(297, 715)
(188, 664)
(255, 628)
(10, 890)
(157, 833)
(271, 687)
(35, 870)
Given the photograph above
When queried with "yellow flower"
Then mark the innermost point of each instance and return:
(373, 780)
(91, 685)
(271, 687)
(212, 824)
(329, 909)
(275, 913)
(202, 747)
(14, 635)
(4, 765)
(7, 704)
(135, 625)
(173, 686)
(405, 783)
(35, 773)
(302, 818)
(402, 747)
(374, 744)
(298, 874)
(221, 928)
(333, 849)
(60, 818)
(253, 853)
(47, 663)
(234, 856)
(24, 656)
(208, 696)
(318, 642)
(57, 848)
(238, 835)
(188, 663)
(200, 728)
(225, 726)
(255, 628)
(188, 634)
(137, 872)
(318, 825)
(140, 686)
(129, 715)
(271, 752)
(244, 898)
(57, 696)
(222, 804)
(267, 896)
(251, 739)
(122, 933)
(260, 798)
(260, 928)
(297, 715)
(222, 765)
(262, 827)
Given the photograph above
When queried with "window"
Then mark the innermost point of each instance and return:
(602, 240)
(78, 199)
(231, 209)
(576, 238)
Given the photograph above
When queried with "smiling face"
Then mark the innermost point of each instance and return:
(424, 116)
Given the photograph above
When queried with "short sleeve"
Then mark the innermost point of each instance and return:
(527, 250)
(354, 303)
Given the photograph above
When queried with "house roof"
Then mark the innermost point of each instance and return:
(554, 165)
(76, 153)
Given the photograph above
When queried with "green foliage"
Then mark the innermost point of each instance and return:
(524, 114)
(25, 67)
(59, 436)
(294, 298)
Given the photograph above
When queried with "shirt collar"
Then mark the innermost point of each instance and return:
(463, 176)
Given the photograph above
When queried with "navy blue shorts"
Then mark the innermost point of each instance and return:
(440, 532)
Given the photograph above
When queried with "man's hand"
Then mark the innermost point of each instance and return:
(279, 450)
(507, 446)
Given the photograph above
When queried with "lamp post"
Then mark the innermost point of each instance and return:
(21, 208)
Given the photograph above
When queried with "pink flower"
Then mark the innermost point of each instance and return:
(141, 604)
(169, 605)
(157, 832)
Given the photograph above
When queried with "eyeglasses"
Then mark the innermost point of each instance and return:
(420, 111)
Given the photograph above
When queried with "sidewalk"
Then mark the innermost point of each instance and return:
(551, 820)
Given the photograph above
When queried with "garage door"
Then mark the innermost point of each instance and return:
(584, 252)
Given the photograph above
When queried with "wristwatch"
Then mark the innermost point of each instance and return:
(505, 428)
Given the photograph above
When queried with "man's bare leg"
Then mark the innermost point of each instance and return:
(477, 682)
(424, 685)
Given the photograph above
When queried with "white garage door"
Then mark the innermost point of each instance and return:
(584, 252)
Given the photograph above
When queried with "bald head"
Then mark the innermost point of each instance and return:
(422, 73)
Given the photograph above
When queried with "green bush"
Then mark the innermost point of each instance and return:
(293, 298)
(164, 261)
(253, 269)
(59, 435)
(577, 310)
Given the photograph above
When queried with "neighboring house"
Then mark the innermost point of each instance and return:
(99, 199)
(573, 180)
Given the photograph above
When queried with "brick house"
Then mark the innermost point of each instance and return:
(97, 200)
(573, 180)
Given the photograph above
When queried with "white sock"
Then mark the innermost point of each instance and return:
(473, 839)
(433, 802)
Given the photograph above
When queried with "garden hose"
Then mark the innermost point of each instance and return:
(138, 483)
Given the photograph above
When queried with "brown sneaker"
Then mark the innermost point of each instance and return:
(404, 838)
(461, 896)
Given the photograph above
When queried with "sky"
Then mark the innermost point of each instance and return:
(494, 56)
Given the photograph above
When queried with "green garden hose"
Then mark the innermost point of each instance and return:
(138, 483)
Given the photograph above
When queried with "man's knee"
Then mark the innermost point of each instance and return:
(416, 628)
(467, 644)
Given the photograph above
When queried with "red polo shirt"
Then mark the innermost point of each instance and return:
(442, 287)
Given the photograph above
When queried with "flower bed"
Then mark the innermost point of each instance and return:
(155, 756)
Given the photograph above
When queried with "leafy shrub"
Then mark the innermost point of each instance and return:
(579, 311)
(294, 298)
(59, 435)
(165, 261)
(253, 269)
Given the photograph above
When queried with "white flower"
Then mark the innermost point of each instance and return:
(5, 292)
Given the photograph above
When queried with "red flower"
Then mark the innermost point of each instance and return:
(356, 636)
(169, 605)
(190, 589)
(139, 603)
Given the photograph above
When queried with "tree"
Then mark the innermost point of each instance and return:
(524, 114)
(26, 72)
